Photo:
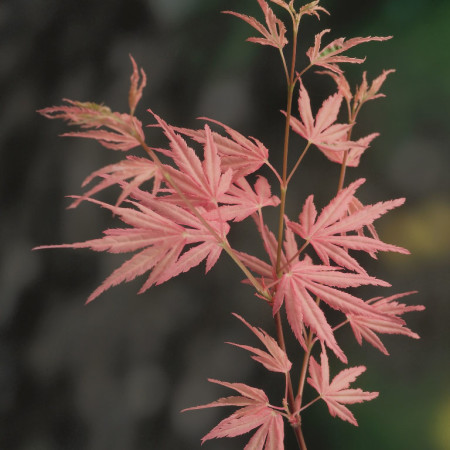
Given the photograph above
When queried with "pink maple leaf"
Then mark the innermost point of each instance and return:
(342, 84)
(311, 9)
(138, 83)
(274, 34)
(208, 234)
(302, 310)
(256, 265)
(290, 247)
(327, 233)
(364, 93)
(270, 243)
(111, 129)
(322, 131)
(268, 271)
(367, 327)
(201, 181)
(242, 201)
(354, 206)
(288, 256)
(337, 393)
(159, 233)
(276, 360)
(331, 55)
(139, 169)
(354, 153)
(241, 154)
(254, 412)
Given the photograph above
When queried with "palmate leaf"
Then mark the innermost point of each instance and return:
(139, 169)
(289, 255)
(268, 272)
(337, 393)
(200, 181)
(242, 201)
(269, 436)
(354, 206)
(354, 153)
(341, 83)
(241, 154)
(331, 55)
(327, 233)
(276, 360)
(322, 131)
(274, 34)
(255, 412)
(160, 234)
(311, 9)
(364, 93)
(303, 278)
(256, 265)
(270, 244)
(111, 129)
(367, 327)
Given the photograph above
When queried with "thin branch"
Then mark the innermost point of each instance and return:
(310, 403)
(267, 163)
(283, 185)
(298, 162)
(301, 383)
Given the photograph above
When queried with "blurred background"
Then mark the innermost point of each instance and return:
(115, 374)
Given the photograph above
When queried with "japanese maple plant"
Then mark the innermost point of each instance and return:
(310, 262)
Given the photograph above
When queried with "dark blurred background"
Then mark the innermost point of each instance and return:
(115, 374)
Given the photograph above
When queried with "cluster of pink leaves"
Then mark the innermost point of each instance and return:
(185, 217)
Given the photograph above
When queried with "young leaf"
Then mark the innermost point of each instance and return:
(276, 360)
(136, 88)
(274, 34)
(337, 393)
(364, 93)
(311, 9)
(111, 129)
